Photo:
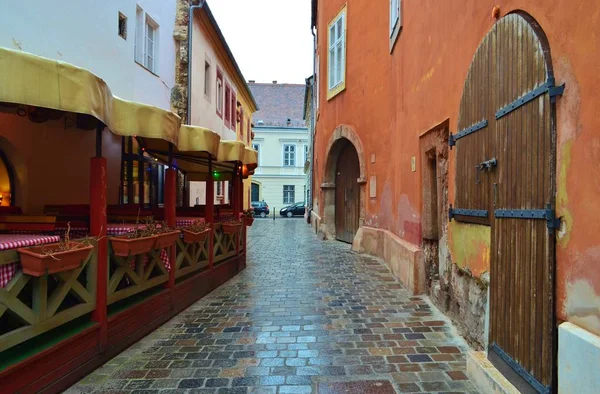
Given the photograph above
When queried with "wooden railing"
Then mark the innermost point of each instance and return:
(31, 306)
(134, 274)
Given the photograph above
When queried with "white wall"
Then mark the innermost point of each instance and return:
(155, 88)
(204, 110)
(85, 33)
(271, 173)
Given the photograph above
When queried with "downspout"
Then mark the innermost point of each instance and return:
(189, 54)
(313, 122)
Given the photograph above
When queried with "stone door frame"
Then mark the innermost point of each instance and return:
(342, 135)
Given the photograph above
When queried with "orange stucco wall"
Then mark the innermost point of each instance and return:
(390, 99)
(52, 165)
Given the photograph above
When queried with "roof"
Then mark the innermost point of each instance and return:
(279, 102)
(204, 5)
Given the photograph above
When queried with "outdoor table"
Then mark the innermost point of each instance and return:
(10, 242)
(185, 221)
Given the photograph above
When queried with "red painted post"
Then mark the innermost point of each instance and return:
(209, 213)
(170, 216)
(98, 230)
(235, 195)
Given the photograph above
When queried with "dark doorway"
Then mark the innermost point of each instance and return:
(255, 192)
(347, 194)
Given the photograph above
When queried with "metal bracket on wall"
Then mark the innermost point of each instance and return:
(548, 86)
(477, 126)
(481, 213)
(545, 214)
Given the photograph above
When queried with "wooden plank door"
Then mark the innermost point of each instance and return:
(522, 263)
(347, 196)
(506, 117)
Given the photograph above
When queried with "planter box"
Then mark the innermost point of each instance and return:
(229, 228)
(125, 247)
(166, 240)
(191, 237)
(248, 221)
(36, 263)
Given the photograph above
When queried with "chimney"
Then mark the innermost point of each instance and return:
(274, 82)
(251, 81)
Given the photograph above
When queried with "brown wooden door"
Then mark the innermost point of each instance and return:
(347, 196)
(506, 100)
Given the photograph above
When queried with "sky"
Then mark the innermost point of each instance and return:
(270, 39)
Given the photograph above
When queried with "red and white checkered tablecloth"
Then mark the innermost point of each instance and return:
(14, 241)
(187, 221)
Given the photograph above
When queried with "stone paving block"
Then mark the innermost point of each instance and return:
(293, 317)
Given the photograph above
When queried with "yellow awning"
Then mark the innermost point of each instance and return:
(41, 82)
(231, 151)
(130, 119)
(198, 139)
(250, 156)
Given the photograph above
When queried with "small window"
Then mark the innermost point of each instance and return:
(249, 131)
(305, 153)
(227, 105)
(336, 61)
(122, 26)
(220, 93)
(289, 155)
(256, 147)
(289, 193)
(220, 188)
(207, 80)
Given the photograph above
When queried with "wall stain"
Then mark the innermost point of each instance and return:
(470, 247)
(562, 197)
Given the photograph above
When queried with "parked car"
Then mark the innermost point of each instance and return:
(293, 210)
(261, 208)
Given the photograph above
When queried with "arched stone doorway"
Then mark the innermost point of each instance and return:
(344, 185)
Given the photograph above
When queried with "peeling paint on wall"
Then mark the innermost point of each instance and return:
(470, 247)
(583, 305)
(562, 197)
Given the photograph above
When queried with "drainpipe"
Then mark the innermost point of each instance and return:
(189, 53)
(313, 122)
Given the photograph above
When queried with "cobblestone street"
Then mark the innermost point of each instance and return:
(304, 314)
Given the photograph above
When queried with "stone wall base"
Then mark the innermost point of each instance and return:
(464, 299)
(404, 259)
(486, 377)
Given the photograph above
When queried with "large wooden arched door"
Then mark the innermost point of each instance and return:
(505, 178)
(347, 194)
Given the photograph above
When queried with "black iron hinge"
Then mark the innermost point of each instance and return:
(552, 222)
(548, 86)
(452, 212)
(452, 138)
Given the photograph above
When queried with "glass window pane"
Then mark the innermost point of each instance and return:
(338, 68)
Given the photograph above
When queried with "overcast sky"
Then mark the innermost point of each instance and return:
(270, 39)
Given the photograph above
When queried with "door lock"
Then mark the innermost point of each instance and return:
(484, 165)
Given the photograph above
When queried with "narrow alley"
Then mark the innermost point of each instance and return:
(304, 316)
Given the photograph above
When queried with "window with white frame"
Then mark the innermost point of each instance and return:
(289, 194)
(394, 15)
(395, 21)
(289, 155)
(336, 62)
(256, 147)
(305, 153)
(146, 45)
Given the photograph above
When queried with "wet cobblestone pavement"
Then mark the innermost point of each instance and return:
(305, 316)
